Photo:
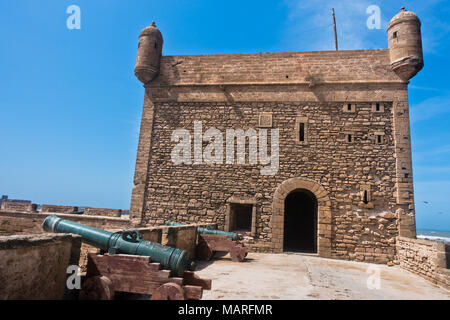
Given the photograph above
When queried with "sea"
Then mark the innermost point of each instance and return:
(434, 235)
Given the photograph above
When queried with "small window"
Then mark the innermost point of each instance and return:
(241, 217)
(349, 138)
(156, 45)
(377, 107)
(406, 175)
(349, 107)
(379, 139)
(365, 194)
(301, 130)
(301, 133)
(395, 35)
(365, 197)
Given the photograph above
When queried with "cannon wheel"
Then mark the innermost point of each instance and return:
(238, 253)
(97, 288)
(204, 251)
(168, 291)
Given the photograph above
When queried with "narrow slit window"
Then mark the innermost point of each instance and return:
(379, 139)
(377, 107)
(365, 197)
(301, 133)
(395, 35)
(349, 138)
(349, 107)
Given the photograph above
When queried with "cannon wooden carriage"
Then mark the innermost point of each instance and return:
(208, 244)
(107, 274)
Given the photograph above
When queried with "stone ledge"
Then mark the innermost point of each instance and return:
(422, 241)
(62, 215)
(16, 241)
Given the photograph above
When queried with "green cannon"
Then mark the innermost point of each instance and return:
(234, 236)
(125, 242)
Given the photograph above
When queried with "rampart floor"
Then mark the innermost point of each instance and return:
(301, 276)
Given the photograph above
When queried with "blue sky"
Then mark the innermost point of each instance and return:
(70, 105)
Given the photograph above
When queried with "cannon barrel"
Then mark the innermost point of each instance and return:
(126, 242)
(234, 236)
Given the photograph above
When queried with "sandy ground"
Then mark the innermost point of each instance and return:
(301, 276)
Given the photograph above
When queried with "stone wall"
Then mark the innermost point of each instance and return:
(429, 259)
(182, 237)
(31, 223)
(14, 206)
(103, 212)
(20, 223)
(199, 193)
(34, 266)
(50, 208)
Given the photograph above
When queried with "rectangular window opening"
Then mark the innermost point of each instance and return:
(379, 139)
(349, 138)
(241, 217)
(377, 107)
(349, 107)
(301, 134)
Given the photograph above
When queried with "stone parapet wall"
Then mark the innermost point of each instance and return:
(276, 67)
(426, 258)
(181, 237)
(50, 208)
(31, 223)
(103, 212)
(14, 206)
(34, 266)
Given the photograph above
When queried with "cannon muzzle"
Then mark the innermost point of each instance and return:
(126, 242)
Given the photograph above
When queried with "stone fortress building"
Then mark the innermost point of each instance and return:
(343, 187)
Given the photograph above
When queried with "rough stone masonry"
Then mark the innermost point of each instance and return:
(344, 185)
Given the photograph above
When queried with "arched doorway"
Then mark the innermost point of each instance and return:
(300, 221)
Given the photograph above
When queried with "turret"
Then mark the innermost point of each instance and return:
(405, 44)
(149, 54)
